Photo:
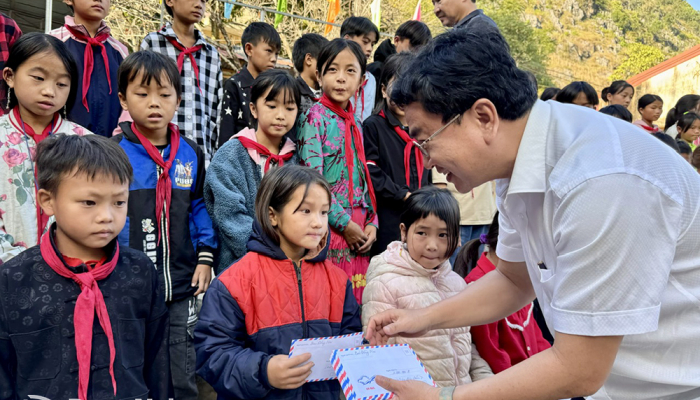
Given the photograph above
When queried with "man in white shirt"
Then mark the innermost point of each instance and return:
(598, 221)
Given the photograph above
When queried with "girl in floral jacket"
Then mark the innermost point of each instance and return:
(37, 96)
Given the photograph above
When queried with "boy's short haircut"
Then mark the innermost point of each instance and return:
(683, 147)
(667, 139)
(59, 156)
(417, 33)
(261, 32)
(153, 65)
(308, 43)
(618, 111)
(359, 26)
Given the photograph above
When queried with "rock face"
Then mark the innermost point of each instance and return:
(592, 38)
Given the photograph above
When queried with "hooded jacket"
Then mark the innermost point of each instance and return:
(395, 280)
(256, 307)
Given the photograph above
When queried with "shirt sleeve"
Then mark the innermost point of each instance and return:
(509, 248)
(615, 239)
(230, 107)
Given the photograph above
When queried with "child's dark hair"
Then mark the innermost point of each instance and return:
(417, 33)
(683, 147)
(695, 159)
(277, 188)
(393, 67)
(152, 65)
(335, 47)
(359, 26)
(669, 141)
(469, 253)
(549, 93)
(277, 82)
(31, 44)
(615, 88)
(569, 92)
(308, 43)
(685, 122)
(617, 111)
(647, 99)
(438, 202)
(258, 32)
(62, 155)
(686, 103)
(168, 9)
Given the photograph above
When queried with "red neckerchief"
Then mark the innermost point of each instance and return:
(88, 61)
(262, 150)
(650, 129)
(164, 187)
(410, 144)
(185, 51)
(90, 302)
(352, 134)
(76, 262)
(361, 92)
(41, 218)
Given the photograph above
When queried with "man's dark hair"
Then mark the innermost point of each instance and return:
(393, 68)
(335, 47)
(569, 93)
(152, 65)
(417, 33)
(258, 32)
(359, 26)
(308, 43)
(458, 68)
(59, 156)
(618, 111)
(549, 93)
(277, 82)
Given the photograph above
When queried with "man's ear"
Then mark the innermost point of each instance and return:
(308, 60)
(46, 201)
(486, 118)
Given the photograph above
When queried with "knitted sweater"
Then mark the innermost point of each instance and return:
(230, 188)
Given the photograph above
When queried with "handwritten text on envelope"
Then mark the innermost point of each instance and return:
(321, 350)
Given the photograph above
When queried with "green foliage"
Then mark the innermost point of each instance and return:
(638, 57)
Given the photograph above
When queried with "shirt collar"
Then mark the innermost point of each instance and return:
(529, 171)
(468, 18)
(245, 77)
(304, 87)
(70, 21)
(167, 30)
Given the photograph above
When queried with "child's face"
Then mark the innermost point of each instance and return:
(303, 222)
(89, 213)
(623, 98)
(90, 10)
(653, 111)
(426, 240)
(342, 78)
(41, 85)
(386, 93)
(366, 42)
(188, 11)
(261, 56)
(150, 105)
(275, 117)
(692, 133)
(582, 100)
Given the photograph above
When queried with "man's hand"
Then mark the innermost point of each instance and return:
(408, 323)
(409, 390)
(201, 278)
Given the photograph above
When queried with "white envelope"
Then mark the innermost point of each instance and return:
(321, 350)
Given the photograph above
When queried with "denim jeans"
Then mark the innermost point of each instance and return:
(183, 317)
(467, 233)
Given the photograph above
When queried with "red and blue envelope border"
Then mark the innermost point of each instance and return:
(291, 348)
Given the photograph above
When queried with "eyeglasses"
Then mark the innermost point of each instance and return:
(439, 131)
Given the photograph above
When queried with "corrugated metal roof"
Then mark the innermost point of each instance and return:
(29, 14)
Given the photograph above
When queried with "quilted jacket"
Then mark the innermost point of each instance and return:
(395, 280)
(257, 306)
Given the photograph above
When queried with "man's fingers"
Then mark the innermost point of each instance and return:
(388, 384)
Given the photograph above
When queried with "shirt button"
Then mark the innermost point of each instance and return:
(189, 117)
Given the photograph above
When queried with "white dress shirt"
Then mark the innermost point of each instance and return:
(607, 219)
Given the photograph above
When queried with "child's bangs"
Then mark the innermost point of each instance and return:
(160, 76)
(285, 90)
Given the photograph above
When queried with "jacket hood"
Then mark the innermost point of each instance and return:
(260, 243)
(397, 260)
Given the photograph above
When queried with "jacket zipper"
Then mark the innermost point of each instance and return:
(304, 327)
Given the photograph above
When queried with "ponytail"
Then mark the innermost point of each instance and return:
(469, 253)
(686, 103)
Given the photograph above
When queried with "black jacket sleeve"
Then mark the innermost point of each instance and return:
(157, 361)
(8, 357)
(229, 111)
(384, 186)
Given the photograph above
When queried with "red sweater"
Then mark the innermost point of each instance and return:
(511, 340)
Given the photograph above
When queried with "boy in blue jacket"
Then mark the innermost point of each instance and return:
(98, 56)
(167, 218)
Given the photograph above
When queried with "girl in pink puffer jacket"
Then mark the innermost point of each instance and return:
(415, 273)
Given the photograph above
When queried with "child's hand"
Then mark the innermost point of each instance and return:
(371, 232)
(286, 373)
(201, 278)
(354, 236)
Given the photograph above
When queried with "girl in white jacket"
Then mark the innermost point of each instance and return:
(415, 273)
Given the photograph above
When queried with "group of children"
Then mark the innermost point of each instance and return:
(682, 127)
(285, 187)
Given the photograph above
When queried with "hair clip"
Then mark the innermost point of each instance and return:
(483, 238)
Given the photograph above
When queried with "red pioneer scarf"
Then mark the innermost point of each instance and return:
(90, 302)
(410, 144)
(189, 52)
(262, 150)
(88, 61)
